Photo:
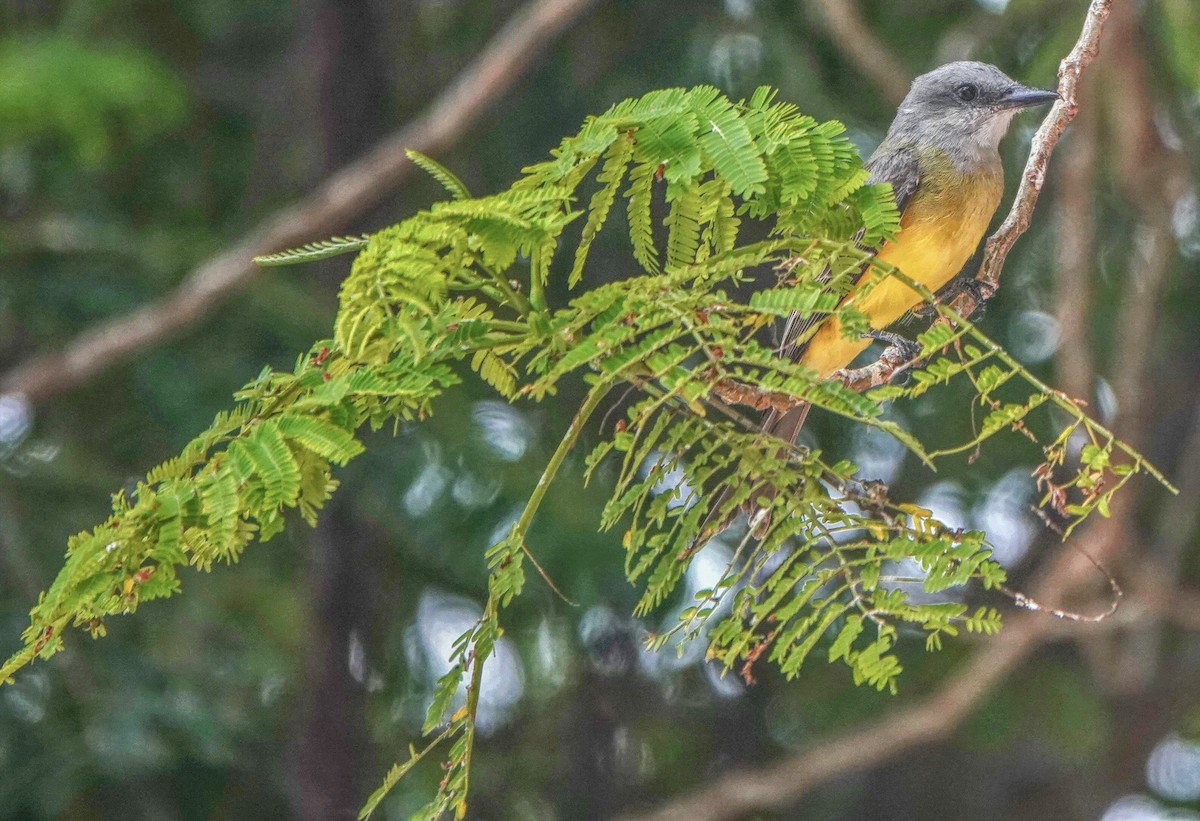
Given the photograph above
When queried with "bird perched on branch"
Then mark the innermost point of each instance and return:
(941, 157)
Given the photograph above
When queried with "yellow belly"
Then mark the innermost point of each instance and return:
(940, 230)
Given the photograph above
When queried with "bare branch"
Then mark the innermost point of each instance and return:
(1047, 136)
(345, 195)
(874, 59)
(752, 396)
(892, 362)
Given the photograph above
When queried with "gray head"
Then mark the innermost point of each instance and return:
(964, 107)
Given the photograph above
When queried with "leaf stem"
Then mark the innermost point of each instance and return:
(514, 299)
(517, 535)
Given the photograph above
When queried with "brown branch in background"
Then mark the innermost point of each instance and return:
(778, 786)
(873, 58)
(1076, 262)
(1152, 176)
(347, 194)
(1180, 514)
(1128, 662)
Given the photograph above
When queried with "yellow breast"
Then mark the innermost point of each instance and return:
(943, 223)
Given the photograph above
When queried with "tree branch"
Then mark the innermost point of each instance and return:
(345, 195)
(1047, 136)
(873, 58)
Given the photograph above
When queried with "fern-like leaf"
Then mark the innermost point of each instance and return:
(314, 251)
(453, 185)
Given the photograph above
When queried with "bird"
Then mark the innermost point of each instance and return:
(941, 157)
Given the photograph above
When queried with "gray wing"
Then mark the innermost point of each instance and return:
(900, 168)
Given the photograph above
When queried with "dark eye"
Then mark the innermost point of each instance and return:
(967, 92)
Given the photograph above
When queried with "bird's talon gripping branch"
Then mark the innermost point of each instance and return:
(906, 350)
(980, 291)
(897, 360)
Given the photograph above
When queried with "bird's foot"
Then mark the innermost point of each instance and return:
(981, 292)
(907, 349)
(901, 351)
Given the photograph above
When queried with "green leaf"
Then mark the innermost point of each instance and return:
(453, 185)
(265, 455)
(851, 630)
(610, 178)
(641, 232)
(313, 251)
(320, 436)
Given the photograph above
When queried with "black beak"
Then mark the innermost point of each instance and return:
(1022, 97)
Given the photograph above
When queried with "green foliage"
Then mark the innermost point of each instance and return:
(449, 180)
(313, 251)
(85, 97)
(1179, 25)
(465, 282)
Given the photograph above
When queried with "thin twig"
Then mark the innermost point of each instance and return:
(347, 194)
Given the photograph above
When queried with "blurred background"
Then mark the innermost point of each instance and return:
(141, 140)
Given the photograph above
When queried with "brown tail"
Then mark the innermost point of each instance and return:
(785, 426)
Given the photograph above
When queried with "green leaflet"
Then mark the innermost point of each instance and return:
(610, 177)
(728, 144)
(641, 223)
(683, 228)
(449, 180)
(314, 251)
(337, 445)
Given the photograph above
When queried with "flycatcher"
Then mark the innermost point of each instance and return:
(941, 156)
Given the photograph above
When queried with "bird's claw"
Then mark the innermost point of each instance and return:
(978, 290)
(909, 349)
